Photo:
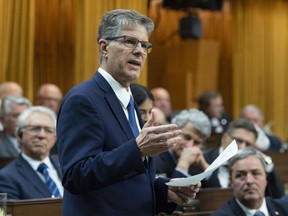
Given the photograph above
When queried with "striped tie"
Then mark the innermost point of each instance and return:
(259, 213)
(48, 180)
(131, 117)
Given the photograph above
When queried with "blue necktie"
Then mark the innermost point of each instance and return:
(131, 117)
(259, 213)
(48, 180)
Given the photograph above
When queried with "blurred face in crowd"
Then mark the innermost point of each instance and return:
(145, 109)
(39, 136)
(248, 181)
(9, 121)
(50, 96)
(243, 137)
(253, 116)
(160, 118)
(122, 62)
(162, 100)
(190, 138)
(215, 108)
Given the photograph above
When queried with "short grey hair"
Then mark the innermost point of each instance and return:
(9, 100)
(196, 117)
(116, 21)
(22, 119)
(244, 153)
(251, 107)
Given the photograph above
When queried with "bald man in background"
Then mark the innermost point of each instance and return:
(162, 100)
(49, 95)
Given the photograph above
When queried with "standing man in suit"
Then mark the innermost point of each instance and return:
(248, 178)
(11, 108)
(25, 177)
(245, 134)
(105, 156)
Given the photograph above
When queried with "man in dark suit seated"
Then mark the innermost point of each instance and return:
(245, 134)
(248, 178)
(265, 141)
(186, 158)
(11, 108)
(33, 174)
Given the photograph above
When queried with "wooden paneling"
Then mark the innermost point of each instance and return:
(208, 59)
(191, 68)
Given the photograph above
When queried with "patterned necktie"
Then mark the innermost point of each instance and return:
(259, 213)
(131, 117)
(48, 180)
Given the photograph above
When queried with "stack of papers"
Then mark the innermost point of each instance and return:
(228, 152)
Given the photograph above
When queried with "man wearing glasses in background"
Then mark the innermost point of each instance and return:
(105, 152)
(245, 134)
(33, 174)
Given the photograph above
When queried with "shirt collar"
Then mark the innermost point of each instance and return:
(35, 163)
(122, 94)
(251, 212)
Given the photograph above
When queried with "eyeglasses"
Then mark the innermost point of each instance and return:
(240, 141)
(37, 128)
(132, 43)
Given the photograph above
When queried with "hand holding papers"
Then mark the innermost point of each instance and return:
(228, 152)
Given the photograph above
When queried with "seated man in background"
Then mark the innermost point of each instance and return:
(265, 141)
(245, 134)
(49, 95)
(33, 174)
(186, 158)
(248, 178)
(11, 108)
(162, 100)
(9, 88)
(211, 103)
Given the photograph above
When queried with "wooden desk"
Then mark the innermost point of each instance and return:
(207, 201)
(35, 207)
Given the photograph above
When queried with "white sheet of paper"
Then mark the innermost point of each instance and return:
(228, 152)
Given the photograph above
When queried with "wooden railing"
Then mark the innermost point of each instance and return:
(35, 207)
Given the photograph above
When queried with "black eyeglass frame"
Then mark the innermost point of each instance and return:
(146, 46)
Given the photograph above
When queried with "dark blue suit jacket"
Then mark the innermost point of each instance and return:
(20, 181)
(103, 173)
(275, 187)
(276, 207)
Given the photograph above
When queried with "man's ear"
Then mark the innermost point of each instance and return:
(103, 47)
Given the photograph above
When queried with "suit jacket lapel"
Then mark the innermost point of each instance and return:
(28, 173)
(114, 105)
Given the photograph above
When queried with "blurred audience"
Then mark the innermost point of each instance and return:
(144, 100)
(28, 176)
(245, 134)
(248, 178)
(211, 103)
(265, 141)
(49, 95)
(162, 100)
(11, 108)
(9, 88)
(186, 158)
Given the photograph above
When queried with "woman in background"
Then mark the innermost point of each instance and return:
(144, 100)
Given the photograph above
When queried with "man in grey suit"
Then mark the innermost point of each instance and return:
(11, 108)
